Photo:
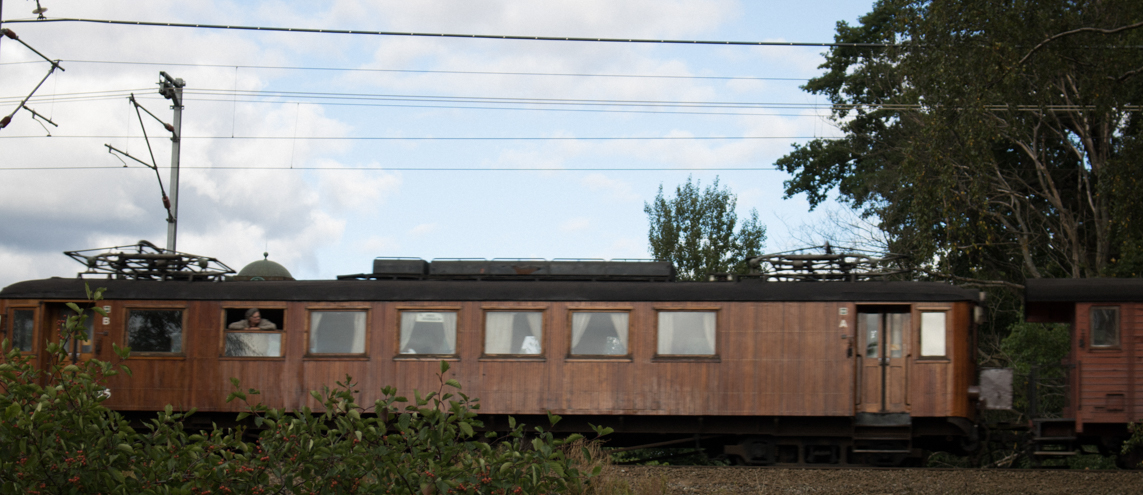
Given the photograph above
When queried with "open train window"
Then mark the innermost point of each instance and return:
(428, 332)
(155, 331)
(253, 332)
(337, 332)
(1104, 326)
(23, 329)
(687, 333)
(513, 332)
(599, 333)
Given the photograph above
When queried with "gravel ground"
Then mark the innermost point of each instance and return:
(733, 480)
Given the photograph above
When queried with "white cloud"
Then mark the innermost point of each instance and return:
(613, 188)
(423, 229)
(375, 245)
(575, 224)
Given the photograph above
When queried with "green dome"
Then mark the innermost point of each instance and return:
(264, 269)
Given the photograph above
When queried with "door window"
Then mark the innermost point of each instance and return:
(23, 328)
(1104, 326)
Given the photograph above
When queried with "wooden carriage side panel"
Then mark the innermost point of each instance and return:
(505, 385)
(963, 354)
(769, 329)
(930, 379)
(1102, 372)
(738, 341)
(156, 380)
(815, 372)
(1134, 336)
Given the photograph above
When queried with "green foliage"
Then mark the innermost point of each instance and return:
(993, 140)
(56, 437)
(695, 230)
(1042, 347)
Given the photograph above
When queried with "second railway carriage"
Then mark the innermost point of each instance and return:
(1104, 367)
(766, 372)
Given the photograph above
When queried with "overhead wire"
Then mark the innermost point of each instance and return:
(420, 169)
(452, 35)
(442, 138)
(426, 71)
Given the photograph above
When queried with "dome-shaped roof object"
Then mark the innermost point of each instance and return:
(264, 269)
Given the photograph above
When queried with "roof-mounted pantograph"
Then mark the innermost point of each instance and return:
(145, 261)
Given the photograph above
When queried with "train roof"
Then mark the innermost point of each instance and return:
(491, 290)
(1037, 290)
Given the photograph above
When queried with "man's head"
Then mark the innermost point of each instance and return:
(253, 317)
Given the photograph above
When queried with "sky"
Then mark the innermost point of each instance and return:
(280, 149)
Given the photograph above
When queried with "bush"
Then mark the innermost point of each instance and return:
(56, 437)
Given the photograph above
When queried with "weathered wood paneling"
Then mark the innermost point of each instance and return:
(773, 359)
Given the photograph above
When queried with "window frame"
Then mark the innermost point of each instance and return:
(126, 318)
(327, 356)
(545, 332)
(716, 356)
(281, 330)
(10, 331)
(400, 310)
(628, 357)
(920, 313)
(1118, 328)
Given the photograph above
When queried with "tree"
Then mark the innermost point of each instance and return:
(695, 231)
(1000, 139)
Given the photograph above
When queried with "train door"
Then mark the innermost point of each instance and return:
(883, 349)
(80, 350)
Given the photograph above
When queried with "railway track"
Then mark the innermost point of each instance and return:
(847, 480)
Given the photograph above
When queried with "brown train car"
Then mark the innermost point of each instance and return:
(764, 372)
(1104, 363)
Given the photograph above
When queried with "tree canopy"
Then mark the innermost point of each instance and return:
(994, 140)
(695, 230)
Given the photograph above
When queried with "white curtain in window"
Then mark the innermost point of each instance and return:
(709, 321)
(619, 320)
(666, 332)
(579, 326)
(446, 318)
(498, 332)
(535, 325)
(358, 333)
(687, 332)
(408, 319)
(315, 323)
(450, 332)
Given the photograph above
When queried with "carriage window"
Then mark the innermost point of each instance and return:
(23, 324)
(933, 334)
(1104, 327)
(253, 332)
(337, 332)
(511, 332)
(250, 344)
(155, 330)
(687, 333)
(428, 332)
(600, 334)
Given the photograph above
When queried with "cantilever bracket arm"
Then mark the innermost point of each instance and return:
(23, 104)
(113, 150)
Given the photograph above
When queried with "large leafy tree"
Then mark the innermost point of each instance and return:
(695, 230)
(994, 140)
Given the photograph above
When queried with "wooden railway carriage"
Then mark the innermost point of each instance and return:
(767, 371)
(1104, 365)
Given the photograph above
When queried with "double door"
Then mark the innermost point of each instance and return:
(883, 349)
